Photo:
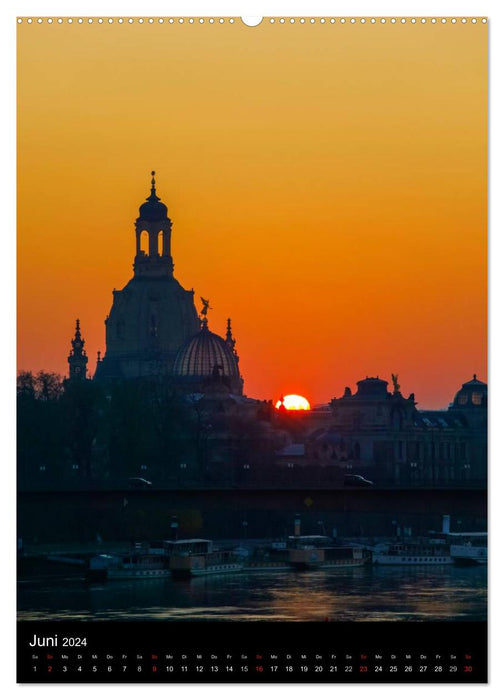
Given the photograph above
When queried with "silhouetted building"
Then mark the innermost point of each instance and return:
(77, 360)
(383, 436)
(153, 330)
(153, 322)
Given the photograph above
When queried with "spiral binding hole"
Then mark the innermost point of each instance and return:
(252, 21)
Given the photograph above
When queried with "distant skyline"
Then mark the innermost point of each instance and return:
(327, 187)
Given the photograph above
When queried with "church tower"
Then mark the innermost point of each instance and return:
(77, 360)
(153, 315)
(153, 231)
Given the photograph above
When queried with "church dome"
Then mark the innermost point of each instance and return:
(472, 394)
(206, 355)
(153, 208)
(150, 319)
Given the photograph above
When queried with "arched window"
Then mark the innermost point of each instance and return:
(477, 397)
(144, 242)
(160, 246)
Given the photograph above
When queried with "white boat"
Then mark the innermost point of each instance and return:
(469, 548)
(433, 553)
(166, 558)
(146, 561)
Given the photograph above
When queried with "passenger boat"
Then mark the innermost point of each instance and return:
(140, 563)
(430, 553)
(469, 548)
(198, 558)
(166, 558)
(306, 552)
(319, 552)
(269, 557)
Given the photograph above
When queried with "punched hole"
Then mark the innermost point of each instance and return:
(251, 21)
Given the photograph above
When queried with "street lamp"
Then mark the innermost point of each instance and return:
(143, 467)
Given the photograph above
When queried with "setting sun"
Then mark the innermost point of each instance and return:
(293, 402)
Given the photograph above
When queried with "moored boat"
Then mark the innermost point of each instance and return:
(466, 548)
(273, 556)
(198, 558)
(319, 552)
(430, 553)
(142, 562)
(469, 548)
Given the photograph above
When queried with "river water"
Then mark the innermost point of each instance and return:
(363, 594)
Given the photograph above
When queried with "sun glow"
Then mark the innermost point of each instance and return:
(293, 402)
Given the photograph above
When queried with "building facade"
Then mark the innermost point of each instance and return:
(383, 436)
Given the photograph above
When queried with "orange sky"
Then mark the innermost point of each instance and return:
(327, 186)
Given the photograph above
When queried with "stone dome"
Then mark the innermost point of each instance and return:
(206, 355)
(149, 321)
(473, 393)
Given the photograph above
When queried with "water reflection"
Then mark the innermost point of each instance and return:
(378, 593)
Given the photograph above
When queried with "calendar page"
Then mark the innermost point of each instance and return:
(252, 377)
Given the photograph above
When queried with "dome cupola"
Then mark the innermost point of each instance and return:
(207, 358)
(153, 208)
(473, 394)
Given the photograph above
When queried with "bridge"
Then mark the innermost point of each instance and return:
(126, 514)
